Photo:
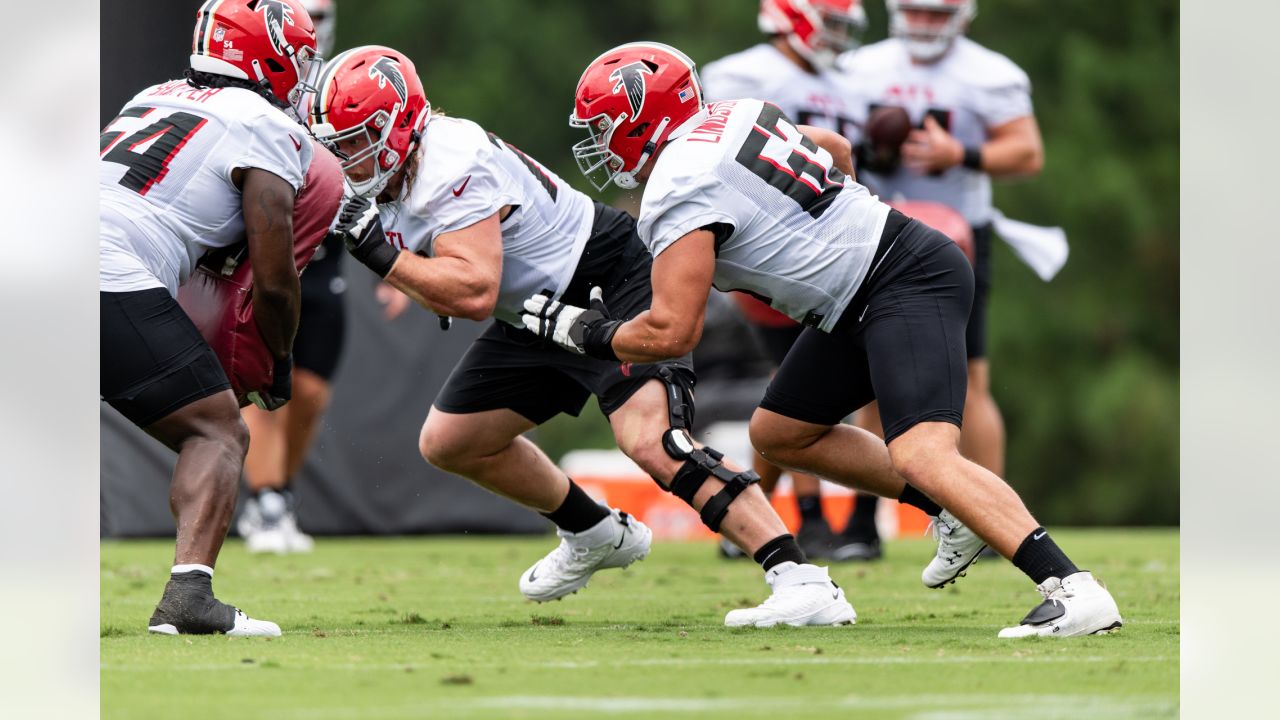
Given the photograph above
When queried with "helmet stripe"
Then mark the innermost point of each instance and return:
(203, 36)
(326, 83)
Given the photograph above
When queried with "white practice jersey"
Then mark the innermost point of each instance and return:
(970, 90)
(802, 234)
(464, 176)
(764, 73)
(165, 193)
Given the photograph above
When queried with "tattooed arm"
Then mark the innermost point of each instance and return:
(268, 217)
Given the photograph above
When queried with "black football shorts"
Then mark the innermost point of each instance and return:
(900, 341)
(153, 359)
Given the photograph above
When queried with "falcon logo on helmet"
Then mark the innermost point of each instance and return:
(387, 70)
(275, 13)
(658, 82)
(631, 77)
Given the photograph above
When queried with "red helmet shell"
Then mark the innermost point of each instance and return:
(256, 40)
(373, 92)
(630, 100)
(819, 30)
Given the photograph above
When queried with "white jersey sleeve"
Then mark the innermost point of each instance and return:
(464, 183)
(677, 203)
(466, 175)
(273, 143)
(1001, 91)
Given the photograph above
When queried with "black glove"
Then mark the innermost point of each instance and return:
(281, 388)
(360, 228)
(584, 331)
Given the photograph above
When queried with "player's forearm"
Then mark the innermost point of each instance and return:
(1012, 157)
(447, 286)
(276, 306)
(646, 338)
(840, 148)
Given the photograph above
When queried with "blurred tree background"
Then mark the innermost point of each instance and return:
(1085, 367)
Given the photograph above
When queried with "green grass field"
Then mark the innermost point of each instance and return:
(435, 627)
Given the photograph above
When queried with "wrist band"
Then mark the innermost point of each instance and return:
(972, 158)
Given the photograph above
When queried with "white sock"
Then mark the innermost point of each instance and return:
(177, 569)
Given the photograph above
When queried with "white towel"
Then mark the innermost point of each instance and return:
(1043, 249)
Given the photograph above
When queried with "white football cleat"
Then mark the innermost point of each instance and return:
(614, 542)
(802, 595)
(295, 540)
(245, 626)
(250, 518)
(268, 539)
(248, 627)
(958, 548)
(1075, 605)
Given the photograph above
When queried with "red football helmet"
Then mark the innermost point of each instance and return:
(373, 94)
(817, 29)
(270, 41)
(631, 100)
(928, 41)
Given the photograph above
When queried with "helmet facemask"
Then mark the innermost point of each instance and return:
(374, 133)
(928, 43)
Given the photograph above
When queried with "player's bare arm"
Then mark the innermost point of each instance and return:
(672, 326)
(1013, 149)
(462, 277)
(840, 148)
(277, 296)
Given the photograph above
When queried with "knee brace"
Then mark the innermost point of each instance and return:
(699, 463)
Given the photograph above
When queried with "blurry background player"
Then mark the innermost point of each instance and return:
(793, 70)
(189, 166)
(473, 227)
(971, 112)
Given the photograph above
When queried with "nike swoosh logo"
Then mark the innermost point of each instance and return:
(296, 145)
(458, 191)
(864, 313)
(621, 539)
(533, 574)
(1037, 537)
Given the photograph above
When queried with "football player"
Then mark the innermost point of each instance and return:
(737, 196)
(468, 225)
(971, 108)
(269, 521)
(189, 166)
(793, 70)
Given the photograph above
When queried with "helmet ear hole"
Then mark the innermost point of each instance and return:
(639, 131)
(274, 66)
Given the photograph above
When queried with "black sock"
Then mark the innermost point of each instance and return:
(913, 497)
(780, 550)
(1040, 558)
(862, 520)
(578, 511)
(810, 507)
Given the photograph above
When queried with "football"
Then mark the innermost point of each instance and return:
(888, 126)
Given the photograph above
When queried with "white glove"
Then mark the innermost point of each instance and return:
(585, 331)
